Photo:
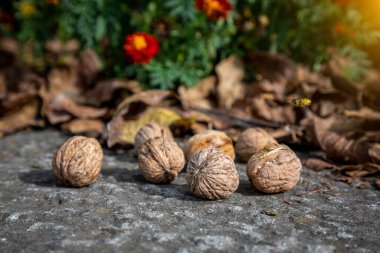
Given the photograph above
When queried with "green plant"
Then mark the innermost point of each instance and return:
(192, 41)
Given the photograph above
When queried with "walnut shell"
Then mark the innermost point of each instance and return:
(209, 138)
(78, 161)
(160, 160)
(252, 140)
(211, 174)
(150, 131)
(275, 168)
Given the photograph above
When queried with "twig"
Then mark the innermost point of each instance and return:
(246, 123)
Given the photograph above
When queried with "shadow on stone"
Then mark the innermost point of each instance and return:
(124, 175)
(245, 188)
(38, 177)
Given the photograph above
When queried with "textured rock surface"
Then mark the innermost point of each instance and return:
(122, 212)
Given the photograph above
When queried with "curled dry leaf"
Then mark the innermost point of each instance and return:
(89, 66)
(275, 68)
(364, 113)
(135, 112)
(345, 148)
(61, 109)
(90, 127)
(272, 112)
(199, 94)
(230, 73)
(123, 131)
(20, 119)
(318, 164)
(104, 91)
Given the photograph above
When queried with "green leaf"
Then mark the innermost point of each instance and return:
(100, 27)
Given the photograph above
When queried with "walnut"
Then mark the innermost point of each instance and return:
(211, 174)
(160, 160)
(210, 138)
(275, 168)
(252, 140)
(150, 131)
(78, 161)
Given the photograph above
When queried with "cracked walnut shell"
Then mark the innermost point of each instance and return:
(78, 161)
(209, 138)
(150, 131)
(211, 174)
(160, 160)
(252, 140)
(275, 168)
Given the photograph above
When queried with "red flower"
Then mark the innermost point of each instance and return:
(214, 9)
(7, 20)
(140, 47)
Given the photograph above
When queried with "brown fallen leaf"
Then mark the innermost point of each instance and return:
(140, 101)
(364, 113)
(19, 119)
(334, 69)
(318, 164)
(131, 110)
(89, 67)
(61, 109)
(360, 170)
(90, 127)
(276, 88)
(104, 90)
(275, 68)
(272, 112)
(122, 131)
(230, 73)
(199, 94)
(345, 148)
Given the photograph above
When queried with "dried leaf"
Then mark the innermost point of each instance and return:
(349, 148)
(20, 119)
(89, 66)
(123, 132)
(140, 101)
(275, 68)
(230, 88)
(104, 91)
(360, 170)
(364, 113)
(199, 94)
(90, 127)
(318, 164)
(272, 112)
(61, 109)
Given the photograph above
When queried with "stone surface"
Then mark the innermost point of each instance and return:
(122, 212)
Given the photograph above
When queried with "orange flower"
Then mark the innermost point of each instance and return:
(341, 29)
(140, 47)
(214, 9)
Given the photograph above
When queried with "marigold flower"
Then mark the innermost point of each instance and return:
(214, 9)
(341, 29)
(27, 9)
(140, 47)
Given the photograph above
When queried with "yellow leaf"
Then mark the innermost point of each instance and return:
(123, 132)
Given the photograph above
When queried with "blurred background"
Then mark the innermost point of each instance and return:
(192, 39)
